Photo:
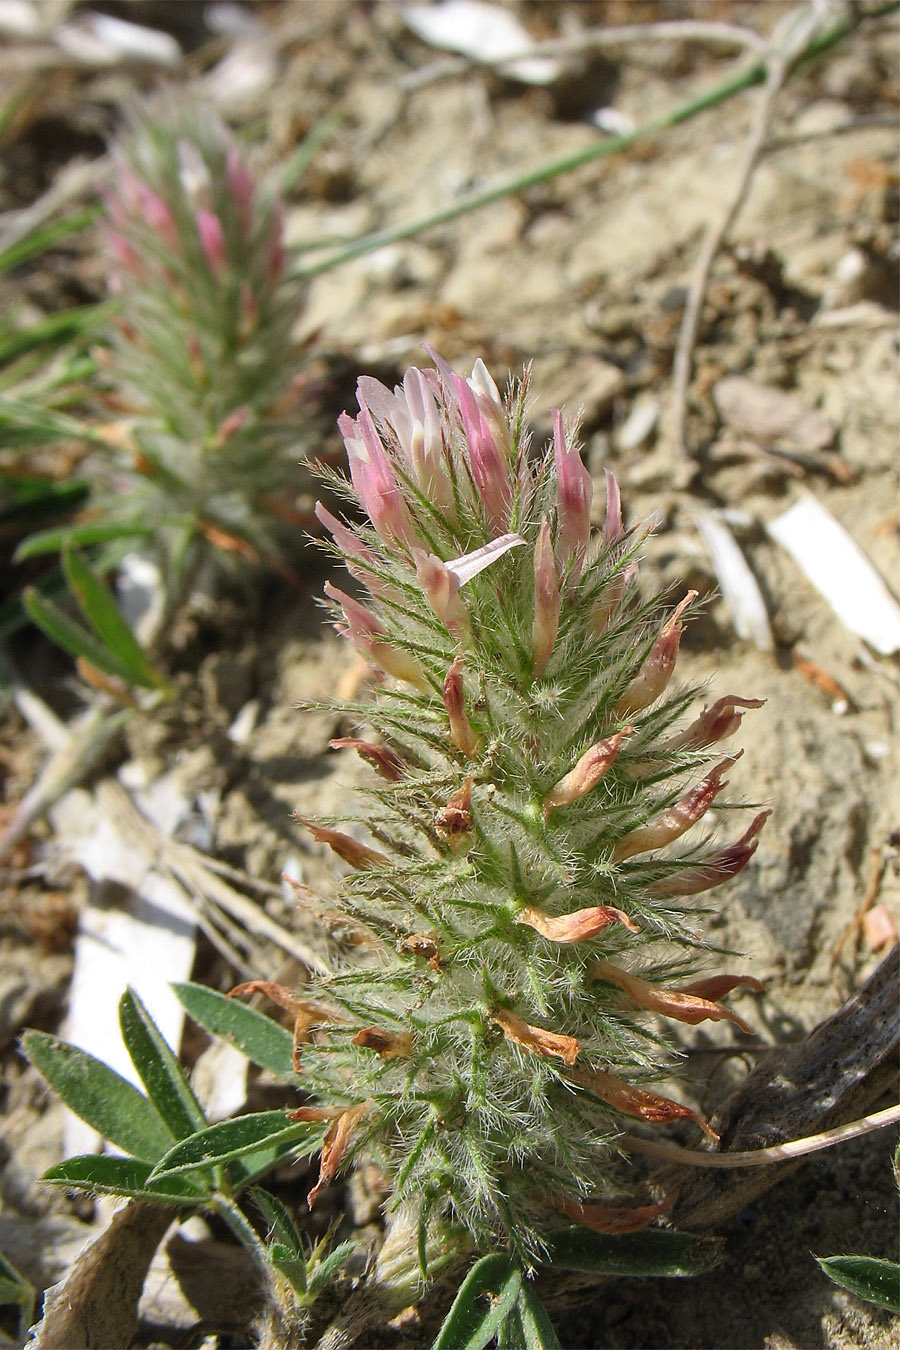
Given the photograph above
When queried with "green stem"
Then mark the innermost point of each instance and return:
(749, 75)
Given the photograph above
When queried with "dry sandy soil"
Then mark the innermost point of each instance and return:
(585, 277)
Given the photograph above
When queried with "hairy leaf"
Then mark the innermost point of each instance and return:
(100, 1096)
(108, 1174)
(159, 1069)
(231, 1139)
(261, 1039)
(869, 1277)
(654, 1251)
(484, 1300)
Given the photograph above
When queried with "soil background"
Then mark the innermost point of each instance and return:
(584, 277)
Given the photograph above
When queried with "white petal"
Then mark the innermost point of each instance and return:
(470, 564)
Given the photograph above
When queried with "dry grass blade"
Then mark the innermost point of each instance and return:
(221, 908)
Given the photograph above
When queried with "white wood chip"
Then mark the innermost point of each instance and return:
(738, 584)
(482, 31)
(840, 571)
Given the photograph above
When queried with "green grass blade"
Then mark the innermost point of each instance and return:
(262, 1040)
(38, 240)
(159, 1070)
(93, 532)
(24, 423)
(77, 322)
(100, 1096)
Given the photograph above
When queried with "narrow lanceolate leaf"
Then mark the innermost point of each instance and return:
(108, 1174)
(72, 636)
(90, 532)
(485, 1298)
(97, 1094)
(329, 1265)
(281, 1227)
(289, 1265)
(159, 1070)
(869, 1277)
(655, 1251)
(102, 613)
(14, 1288)
(262, 1040)
(231, 1139)
(535, 1326)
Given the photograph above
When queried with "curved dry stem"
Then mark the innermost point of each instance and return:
(762, 1157)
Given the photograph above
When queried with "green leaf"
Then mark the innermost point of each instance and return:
(14, 1288)
(36, 241)
(261, 1039)
(324, 1270)
(73, 638)
(291, 1266)
(655, 1251)
(52, 330)
(159, 1070)
(107, 1174)
(99, 1095)
(231, 1139)
(91, 532)
(104, 616)
(251, 1166)
(511, 1335)
(536, 1327)
(471, 1322)
(24, 423)
(281, 1226)
(869, 1277)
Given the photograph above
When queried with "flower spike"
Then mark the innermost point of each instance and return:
(526, 799)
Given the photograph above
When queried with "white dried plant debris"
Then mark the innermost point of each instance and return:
(613, 121)
(640, 423)
(738, 584)
(247, 72)
(103, 39)
(137, 929)
(28, 19)
(840, 571)
(140, 591)
(769, 416)
(483, 32)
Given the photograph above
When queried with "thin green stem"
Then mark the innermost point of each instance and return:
(753, 73)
